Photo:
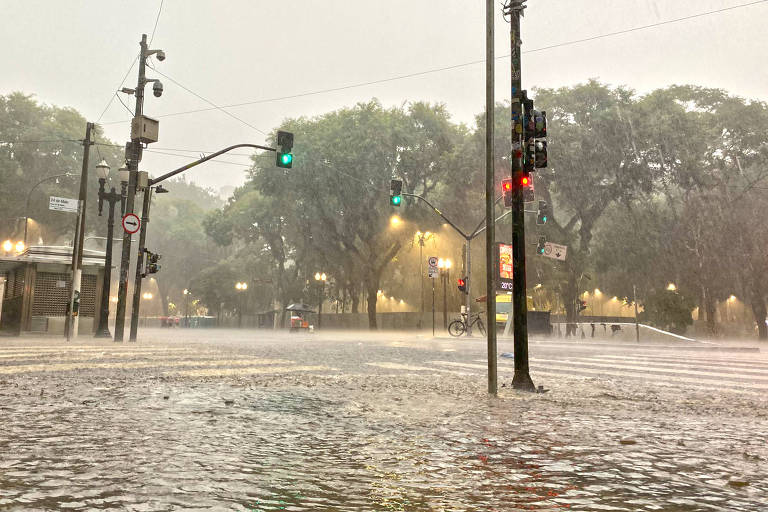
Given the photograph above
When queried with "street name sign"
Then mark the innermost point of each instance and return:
(131, 223)
(63, 204)
(555, 251)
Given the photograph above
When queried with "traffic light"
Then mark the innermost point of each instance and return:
(526, 181)
(463, 285)
(541, 245)
(543, 213)
(581, 305)
(150, 263)
(507, 191)
(284, 157)
(395, 192)
(540, 154)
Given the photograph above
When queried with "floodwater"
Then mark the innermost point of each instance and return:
(347, 424)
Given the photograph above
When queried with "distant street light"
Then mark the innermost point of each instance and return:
(320, 278)
(241, 287)
(421, 238)
(7, 246)
(147, 296)
(671, 287)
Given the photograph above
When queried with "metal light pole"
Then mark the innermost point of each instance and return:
(112, 197)
(445, 270)
(186, 293)
(29, 195)
(522, 379)
(320, 278)
(241, 287)
(133, 153)
(420, 239)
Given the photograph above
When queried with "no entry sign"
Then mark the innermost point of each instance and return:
(131, 223)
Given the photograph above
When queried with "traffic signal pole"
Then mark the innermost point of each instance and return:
(140, 264)
(522, 379)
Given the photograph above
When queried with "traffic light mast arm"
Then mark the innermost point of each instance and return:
(446, 219)
(205, 159)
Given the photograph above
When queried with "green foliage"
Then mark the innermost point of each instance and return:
(670, 311)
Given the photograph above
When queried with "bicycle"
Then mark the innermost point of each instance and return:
(459, 327)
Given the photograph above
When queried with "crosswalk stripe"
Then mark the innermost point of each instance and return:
(252, 370)
(58, 367)
(654, 368)
(681, 368)
(754, 369)
(399, 366)
(646, 375)
(759, 363)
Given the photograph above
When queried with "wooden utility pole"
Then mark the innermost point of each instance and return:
(490, 196)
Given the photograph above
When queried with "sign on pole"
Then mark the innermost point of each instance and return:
(131, 223)
(504, 262)
(63, 204)
(555, 251)
(432, 271)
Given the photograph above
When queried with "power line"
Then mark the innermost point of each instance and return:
(457, 66)
(156, 20)
(216, 107)
(112, 98)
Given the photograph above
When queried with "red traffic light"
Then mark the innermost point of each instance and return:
(506, 185)
(525, 181)
(462, 282)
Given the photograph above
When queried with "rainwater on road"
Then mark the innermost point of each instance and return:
(261, 421)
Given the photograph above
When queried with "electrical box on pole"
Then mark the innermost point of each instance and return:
(144, 129)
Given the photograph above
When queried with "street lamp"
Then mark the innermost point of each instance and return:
(445, 274)
(320, 278)
(111, 197)
(241, 287)
(29, 195)
(420, 238)
(147, 296)
(186, 307)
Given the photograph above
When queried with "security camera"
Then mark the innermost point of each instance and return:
(160, 55)
(157, 88)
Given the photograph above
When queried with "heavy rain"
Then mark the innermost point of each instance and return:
(397, 256)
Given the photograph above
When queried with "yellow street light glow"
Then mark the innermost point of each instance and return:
(732, 298)
(147, 296)
(395, 221)
(323, 276)
(402, 302)
(448, 264)
(598, 292)
(537, 286)
(614, 299)
(185, 292)
(671, 287)
(7, 246)
(19, 246)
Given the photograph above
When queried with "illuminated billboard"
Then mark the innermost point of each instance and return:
(504, 266)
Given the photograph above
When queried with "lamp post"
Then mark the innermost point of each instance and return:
(320, 278)
(420, 239)
(186, 307)
(29, 195)
(445, 274)
(112, 197)
(241, 287)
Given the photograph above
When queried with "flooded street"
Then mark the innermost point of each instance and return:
(228, 420)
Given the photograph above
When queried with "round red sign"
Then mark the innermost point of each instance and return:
(131, 223)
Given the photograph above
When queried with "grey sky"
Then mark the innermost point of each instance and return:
(75, 54)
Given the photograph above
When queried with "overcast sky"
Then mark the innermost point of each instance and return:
(75, 54)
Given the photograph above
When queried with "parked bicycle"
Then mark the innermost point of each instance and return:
(459, 327)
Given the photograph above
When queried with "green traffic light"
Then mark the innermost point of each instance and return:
(395, 200)
(287, 158)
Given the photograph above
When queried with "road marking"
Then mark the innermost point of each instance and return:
(59, 367)
(253, 370)
(647, 375)
(398, 366)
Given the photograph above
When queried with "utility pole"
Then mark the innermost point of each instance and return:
(133, 153)
(112, 197)
(490, 192)
(77, 250)
(522, 379)
(634, 301)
